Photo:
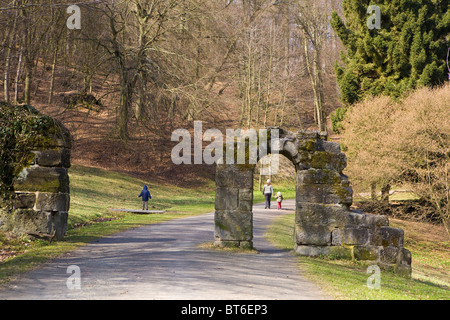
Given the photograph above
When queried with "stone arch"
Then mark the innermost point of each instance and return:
(324, 223)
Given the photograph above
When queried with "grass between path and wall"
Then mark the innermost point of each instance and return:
(347, 280)
(92, 192)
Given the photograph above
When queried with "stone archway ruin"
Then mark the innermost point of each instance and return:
(324, 223)
(41, 201)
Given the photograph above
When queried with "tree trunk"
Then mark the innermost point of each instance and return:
(385, 193)
(18, 73)
(27, 83)
(52, 79)
(125, 99)
(373, 191)
(6, 77)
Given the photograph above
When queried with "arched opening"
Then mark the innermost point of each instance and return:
(284, 181)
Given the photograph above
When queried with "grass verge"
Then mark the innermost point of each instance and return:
(347, 280)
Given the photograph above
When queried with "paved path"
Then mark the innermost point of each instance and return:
(163, 261)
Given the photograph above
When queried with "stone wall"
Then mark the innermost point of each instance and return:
(324, 223)
(41, 202)
(234, 201)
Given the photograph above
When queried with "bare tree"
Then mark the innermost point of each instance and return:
(312, 19)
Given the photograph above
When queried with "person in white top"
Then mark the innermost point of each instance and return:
(268, 192)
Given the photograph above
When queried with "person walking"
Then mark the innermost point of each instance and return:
(268, 192)
(279, 199)
(145, 194)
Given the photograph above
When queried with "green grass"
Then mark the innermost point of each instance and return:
(93, 192)
(346, 279)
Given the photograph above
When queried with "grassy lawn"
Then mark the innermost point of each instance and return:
(93, 192)
(345, 279)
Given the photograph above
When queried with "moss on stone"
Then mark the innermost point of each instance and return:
(320, 159)
(23, 129)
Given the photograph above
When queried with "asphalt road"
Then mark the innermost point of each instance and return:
(163, 261)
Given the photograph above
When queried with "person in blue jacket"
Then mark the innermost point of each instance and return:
(145, 194)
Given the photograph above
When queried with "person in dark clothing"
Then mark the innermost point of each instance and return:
(145, 194)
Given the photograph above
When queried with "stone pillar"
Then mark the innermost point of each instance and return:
(41, 203)
(233, 207)
(324, 223)
(322, 193)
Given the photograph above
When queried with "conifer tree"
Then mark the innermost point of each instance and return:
(408, 51)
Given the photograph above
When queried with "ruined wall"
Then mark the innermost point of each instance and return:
(41, 202)
(234, 201)
(324, 223)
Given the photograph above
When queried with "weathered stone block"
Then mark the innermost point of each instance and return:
(224, 176)
(59, 224)
(366, 220)
(307, 145)
(226, 244)
(320, 214)
(25, 200)
(21, 221)
(226, 199)
(404, 257)
(340, 194)
(302, 160)
(326, 160)
(289, 149)
(305, 134)
(243, 178)
(325, 193)
(43, 179)
(245, 194)
(312, 235)
(389, 237)
(336, 237)
(52, 201)
(331, 147)
(315, 193)
(245, 205)
(58, 157)
(403, 266)
(388, 255)
(233, 225)
(246, 245)
(365, 252)
(355, 236)
(318, 176)
(314, 251)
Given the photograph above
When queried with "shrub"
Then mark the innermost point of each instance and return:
(405, 142)
(337, 118)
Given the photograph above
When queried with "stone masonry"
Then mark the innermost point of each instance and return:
(42, 198)
(324, 223)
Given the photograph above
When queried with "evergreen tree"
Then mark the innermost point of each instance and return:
(408, 51)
